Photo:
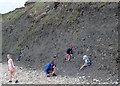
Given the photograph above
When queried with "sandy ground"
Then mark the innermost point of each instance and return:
(29, 76)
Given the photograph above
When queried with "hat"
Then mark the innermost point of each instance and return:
(85, 57)
(54, 56)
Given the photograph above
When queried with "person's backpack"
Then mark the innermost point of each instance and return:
(88, 62)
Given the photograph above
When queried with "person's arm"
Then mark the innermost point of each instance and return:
(12, 64)
(71, 51)
(54, 69)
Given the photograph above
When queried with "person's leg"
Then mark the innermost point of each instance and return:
(11, 70)
(11, 76)
(53, 72)
(14, 77)
(10, 73)
(47, 73)
(69, 57)
(81, 67)
(66, 56)
(84, 65)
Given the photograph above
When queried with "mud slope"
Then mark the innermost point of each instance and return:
(39, 30)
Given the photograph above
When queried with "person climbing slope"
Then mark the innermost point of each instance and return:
(54, 58)
(50, 69)
(87, 62)
(11, 67)
(69, 53)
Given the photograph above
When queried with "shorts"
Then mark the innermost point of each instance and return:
(11, 68)
(87, 64)
(68, 55)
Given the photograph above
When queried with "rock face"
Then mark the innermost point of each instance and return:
(35, 33)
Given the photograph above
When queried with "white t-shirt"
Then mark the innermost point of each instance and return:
(86, 60)
(10, 63)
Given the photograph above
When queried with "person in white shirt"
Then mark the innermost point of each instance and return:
(87, 62)
(11, 67)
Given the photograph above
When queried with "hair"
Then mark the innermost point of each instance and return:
(85, 57)
(90, 54)
(10, 54)
(52, 62)
(54, 56)
(70, 46)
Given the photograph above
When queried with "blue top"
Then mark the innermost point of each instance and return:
(49, 67)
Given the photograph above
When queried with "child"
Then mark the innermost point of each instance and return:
(54, 57)
(11, 67)
(69, 53)
(87, 62)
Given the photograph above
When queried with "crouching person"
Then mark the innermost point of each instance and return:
(87, 62)
(50, 69)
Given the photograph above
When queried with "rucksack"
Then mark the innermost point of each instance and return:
(88, 62)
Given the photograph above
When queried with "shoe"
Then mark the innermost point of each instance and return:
(54, 74)
(16, 81)
(48, 75)
(65, 59)
(69, 60)
(10, 81)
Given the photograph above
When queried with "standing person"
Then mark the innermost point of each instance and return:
(69, 53)
(50, 69)
(11, 67)
(87, 62)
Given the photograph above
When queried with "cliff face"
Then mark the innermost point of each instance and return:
(41, 30)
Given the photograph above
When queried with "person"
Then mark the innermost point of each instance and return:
(11, 67)
(54, 57)
(50, 69)
(69, 53)
(20, 55)
(87, 62)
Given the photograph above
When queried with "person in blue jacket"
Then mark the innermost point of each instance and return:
(50, 69)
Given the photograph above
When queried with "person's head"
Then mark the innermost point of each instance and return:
(54, 56)
(71, 46)
(52, 63)
(85, 57)
(9, 55)
(90, 54)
